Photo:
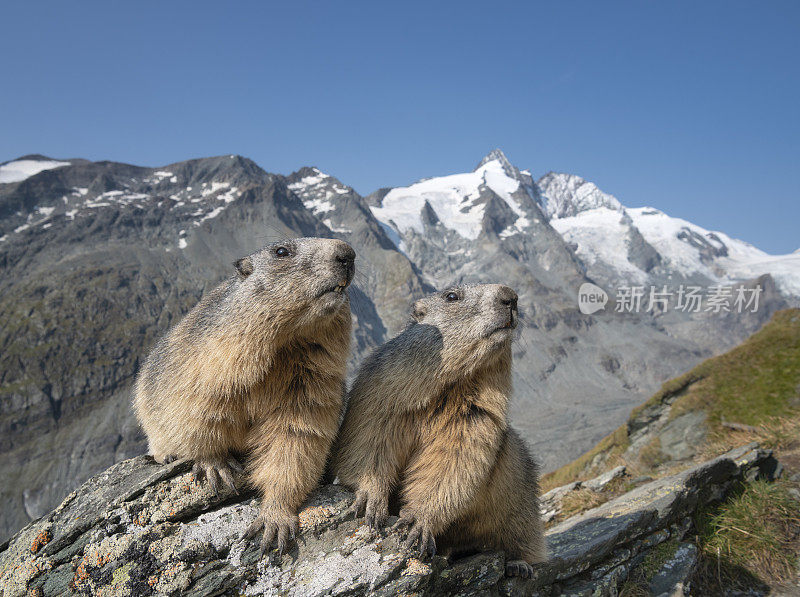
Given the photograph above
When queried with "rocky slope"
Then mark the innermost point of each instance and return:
(99, 258)
(140, 528)
(751, 389)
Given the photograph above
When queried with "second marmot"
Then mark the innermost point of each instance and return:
(427, 419)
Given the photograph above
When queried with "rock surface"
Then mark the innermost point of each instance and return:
(673, 577)
(141, 528)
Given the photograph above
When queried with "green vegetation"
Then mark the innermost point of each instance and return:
(751, 539)
(755, 381)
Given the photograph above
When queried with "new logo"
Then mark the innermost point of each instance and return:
(591, 298)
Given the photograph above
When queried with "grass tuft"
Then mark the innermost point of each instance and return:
(753, 535)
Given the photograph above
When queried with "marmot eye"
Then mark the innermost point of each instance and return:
(282, 252)
(450, 297)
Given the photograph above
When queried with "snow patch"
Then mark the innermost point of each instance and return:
(22, 169)
(319, 206)
(601, 237)
(333, 228)
(215, 186)
(309, 181)
(230, 196)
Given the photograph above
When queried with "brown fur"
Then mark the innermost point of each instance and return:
(257, 367)
(427, 420)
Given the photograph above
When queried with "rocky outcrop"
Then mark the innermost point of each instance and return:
(141, 528)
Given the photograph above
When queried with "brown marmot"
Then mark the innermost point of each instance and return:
(257, 368)
(427, 419)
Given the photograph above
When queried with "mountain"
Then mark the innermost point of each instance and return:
(99, 258)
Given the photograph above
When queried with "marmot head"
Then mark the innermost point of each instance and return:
(303, 278)
(476, 321)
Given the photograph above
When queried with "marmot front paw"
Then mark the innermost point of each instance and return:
(218, 470)
(280, 526)
(519, 568)
(375, 508)
(420, 532)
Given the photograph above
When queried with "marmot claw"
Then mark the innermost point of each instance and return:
(217, 471)
(519, 568)
(283, 531)
(419, 532)
(375, 509)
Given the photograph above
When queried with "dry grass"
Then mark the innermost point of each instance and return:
(781, 434)
(581, 500)
(634, 589)
(609, 449)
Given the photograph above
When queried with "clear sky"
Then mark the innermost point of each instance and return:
(691, 107)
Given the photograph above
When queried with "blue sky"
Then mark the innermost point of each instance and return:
(691, 107)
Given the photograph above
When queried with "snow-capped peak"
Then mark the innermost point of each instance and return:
(19, 170)
(456, 200)
(497, 155)
(314, 178)
(566, 195)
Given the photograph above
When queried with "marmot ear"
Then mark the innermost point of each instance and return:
(244, 266)
(420, 310)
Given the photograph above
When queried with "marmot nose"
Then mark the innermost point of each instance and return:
(507, 297)
(345, 254)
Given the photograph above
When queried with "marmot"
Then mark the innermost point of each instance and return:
(427, 419)
(257, 367)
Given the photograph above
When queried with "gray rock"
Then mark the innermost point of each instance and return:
(600, 482)
(681, 436)
(141, 528)
(673, 577)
